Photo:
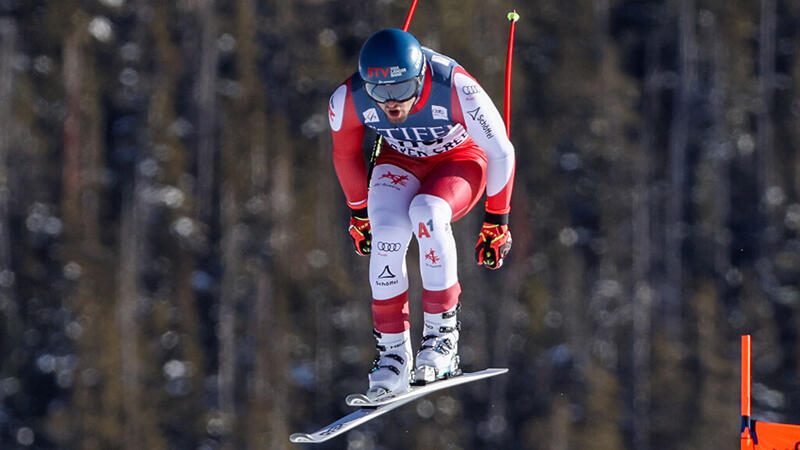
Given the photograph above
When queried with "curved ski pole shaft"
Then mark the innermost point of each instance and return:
(513, 17)
(410, 14)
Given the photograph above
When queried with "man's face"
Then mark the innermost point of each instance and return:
(397, 112)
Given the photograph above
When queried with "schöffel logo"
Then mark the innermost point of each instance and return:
(476, 115)
(387, 278)
(388, 246)
(386, 273)
(385, 72)
(471, 89)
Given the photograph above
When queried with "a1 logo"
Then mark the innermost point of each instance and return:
(423, 230)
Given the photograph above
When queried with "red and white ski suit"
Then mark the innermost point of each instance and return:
(432, 170)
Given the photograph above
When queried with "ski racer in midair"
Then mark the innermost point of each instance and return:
(444, 143)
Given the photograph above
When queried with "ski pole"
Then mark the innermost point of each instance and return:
(376, 145)
(513, 17)
(410, 14)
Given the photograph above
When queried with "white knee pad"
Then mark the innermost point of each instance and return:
(430, 221)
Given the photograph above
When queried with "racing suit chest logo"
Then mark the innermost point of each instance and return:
(415, 141)
(417, 134)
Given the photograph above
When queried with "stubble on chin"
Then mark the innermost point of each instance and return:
(398, 120)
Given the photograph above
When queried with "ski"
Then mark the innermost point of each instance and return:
(369, 411)
(346, 423)
(420, 390)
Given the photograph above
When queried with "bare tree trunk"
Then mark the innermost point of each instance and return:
(272, 359)
(642, 293)
(259, 322)
(508, 307)
(227, 317)
(766, 84)
(92, 157)
(266, 403)
(558, 436)
(280, 231)
(71, 166)
(135, 211)
(207, 105)
(642, 319)
(721, 156)
(324, 348)
(573, 286)
(8, 32)
(767, 180)
(642, 252)
(679, 141)
(571, 279)
(207, 182)
(129, 238)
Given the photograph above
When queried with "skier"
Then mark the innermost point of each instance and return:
(444, 142)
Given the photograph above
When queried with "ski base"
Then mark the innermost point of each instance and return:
(372, 410)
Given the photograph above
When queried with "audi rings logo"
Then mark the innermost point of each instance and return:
(388, 246)
(471, 89)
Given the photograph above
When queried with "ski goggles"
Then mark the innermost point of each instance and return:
(398, 92)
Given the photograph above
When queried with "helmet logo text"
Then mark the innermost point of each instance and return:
(385, 72)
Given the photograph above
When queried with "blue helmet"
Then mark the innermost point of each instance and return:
(392, 65)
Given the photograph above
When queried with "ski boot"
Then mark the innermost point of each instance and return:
(437, 357)
(392, 369)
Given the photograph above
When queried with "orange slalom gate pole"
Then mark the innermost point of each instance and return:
(746, 439)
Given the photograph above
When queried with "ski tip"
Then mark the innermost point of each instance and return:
(301, 437)
(357, 400)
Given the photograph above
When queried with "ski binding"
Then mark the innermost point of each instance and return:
(422, 389)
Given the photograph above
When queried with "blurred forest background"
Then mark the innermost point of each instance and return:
(175, 270)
